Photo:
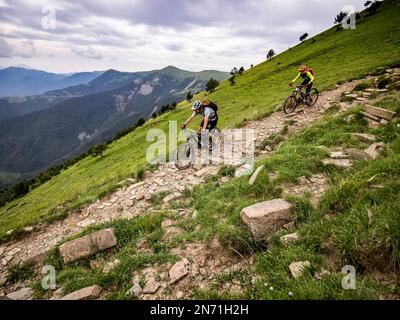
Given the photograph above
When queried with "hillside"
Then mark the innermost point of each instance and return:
(78, 117)
(19, 82)
(182, 234)
(256, 93)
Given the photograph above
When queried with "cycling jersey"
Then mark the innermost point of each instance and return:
(207, 112)
(306, 76)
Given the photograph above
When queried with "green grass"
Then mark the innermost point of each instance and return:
(335, 56)
(80, 274)
(20, 272)
(347, 234)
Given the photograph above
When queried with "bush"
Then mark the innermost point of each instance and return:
(212, 84)
(19, 272)
(227, 171)
(232, 80)
(383, 82)
(97, 151)
(189, 96)
(362, 86)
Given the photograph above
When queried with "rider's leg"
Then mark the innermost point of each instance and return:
(199, 135)
(308, 88)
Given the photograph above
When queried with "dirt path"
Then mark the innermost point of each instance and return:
(134, 200)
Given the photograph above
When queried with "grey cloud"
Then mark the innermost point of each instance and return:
(87, 53)
(27, 50)
(5, 49)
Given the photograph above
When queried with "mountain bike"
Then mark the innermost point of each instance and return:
(297, 97)
(186, 152)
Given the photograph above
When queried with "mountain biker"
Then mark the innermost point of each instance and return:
(209, 111)
(308, 77)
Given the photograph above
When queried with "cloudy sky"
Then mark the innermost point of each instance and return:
(133, 35)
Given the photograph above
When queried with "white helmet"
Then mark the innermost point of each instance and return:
(196, 105)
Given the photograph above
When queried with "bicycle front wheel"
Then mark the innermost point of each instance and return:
(184, 156)
(290, 104)
(313, 98)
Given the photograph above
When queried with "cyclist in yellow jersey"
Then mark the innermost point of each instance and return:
(308, 78)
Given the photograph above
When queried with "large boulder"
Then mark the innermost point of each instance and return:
(88, 245)
(265, 218)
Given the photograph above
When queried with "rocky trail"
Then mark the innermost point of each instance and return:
(199, 261)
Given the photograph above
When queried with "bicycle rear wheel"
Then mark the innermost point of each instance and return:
(312, 100)
(290, 104)
(184, 156)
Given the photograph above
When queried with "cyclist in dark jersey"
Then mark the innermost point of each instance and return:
(209, 112)
(308, 79)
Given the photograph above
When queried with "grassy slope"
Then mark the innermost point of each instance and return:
(339, 230)
(335, 56)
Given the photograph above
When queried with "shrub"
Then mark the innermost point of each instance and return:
(189, 96)
(212, 84)
(97, 151)
(383, 82)
(362, 86)
(19, 272)
(227, 171)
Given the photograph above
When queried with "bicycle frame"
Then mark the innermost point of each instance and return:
(298, 91)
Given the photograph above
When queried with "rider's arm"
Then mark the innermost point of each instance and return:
(189, 119)
(310, 76)
(294, 80)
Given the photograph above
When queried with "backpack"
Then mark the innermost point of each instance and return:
(311, 70)
(211, 105)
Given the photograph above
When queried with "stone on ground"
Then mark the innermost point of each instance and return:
(379, 112)
(171, 197)
(135, 291)
(23, 294)
(297, 268)
(88, 245)
(87, 293)
(111, 265)
(289, 238)
(339, 163)
(364, 137)
(151, 286)
(178, 271)
(357, 154)
(373, 149)
(338, 155)
(255, 175)
(3, 281)
(265, 218)
(201, 172)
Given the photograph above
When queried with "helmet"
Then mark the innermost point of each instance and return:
(196, 105)
(302, 68)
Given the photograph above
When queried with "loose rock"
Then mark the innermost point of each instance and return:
(289, 238)
(178, 271)
(88, 245)
(135, 291)
(265, 218)
(23, 294)
(87, 293)
(151, 286)
(297, 268)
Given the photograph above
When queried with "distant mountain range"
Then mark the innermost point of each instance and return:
(19, 82)
(39, 131)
